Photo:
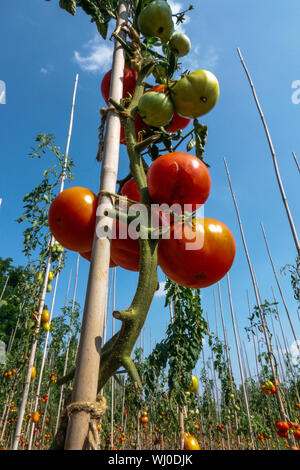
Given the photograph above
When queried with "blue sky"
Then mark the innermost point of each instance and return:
(42, 49)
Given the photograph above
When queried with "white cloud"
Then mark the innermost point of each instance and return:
(295, 351)
(207, 60)
(161, 292)
(2, 92)
(44, 71)
(98, 56)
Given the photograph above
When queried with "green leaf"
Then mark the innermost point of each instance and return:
(102, 28)
(68, 5)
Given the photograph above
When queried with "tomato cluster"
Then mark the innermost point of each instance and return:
(204, 248)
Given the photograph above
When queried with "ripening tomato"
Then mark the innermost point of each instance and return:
(144, 419)
(194, 385)
(195, 94)
(129, 83)
(197, 255)
(35, 416)
(88, 257)
(33, 372)
(46, 326)
(178, 178)
(177, 121)
(45, 315)
(190, 442)
(297, 434)
(72, 218)
(130, 190)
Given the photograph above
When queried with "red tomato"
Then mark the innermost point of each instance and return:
(125, 252)
(88, 256)
(72, 218)
(178, 178)
(129, 83)
(282, 426)
(177, 122)
(206, 263)
(130, 190)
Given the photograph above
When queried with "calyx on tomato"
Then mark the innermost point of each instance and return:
(179, 178)
(195, 94)
(155, 20)
(197, 255)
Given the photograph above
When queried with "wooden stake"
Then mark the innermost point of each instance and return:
(240, 363)
(296, 161)
(283, 414)
(273, 154)
(88, 358)
(279, 287)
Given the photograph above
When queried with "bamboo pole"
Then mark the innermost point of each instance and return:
(44, 357)
(88, 358)
(278, 395)
(274, 157)
(240, 364)
(4, 288)
(44, 289)
(60, 402)
(279, 287)
(112, 378)
(296, 161)
(228, 359)
(31, 360)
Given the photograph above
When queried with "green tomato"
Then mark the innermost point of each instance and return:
(180, 44)
(46, 326)
(155, 20)
(49, 288)
(156, 109)
(231, 395)
(196, 94)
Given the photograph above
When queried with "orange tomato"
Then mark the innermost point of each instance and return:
(33, 372)
(190, 442)
(35, 416)
(72, 218)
